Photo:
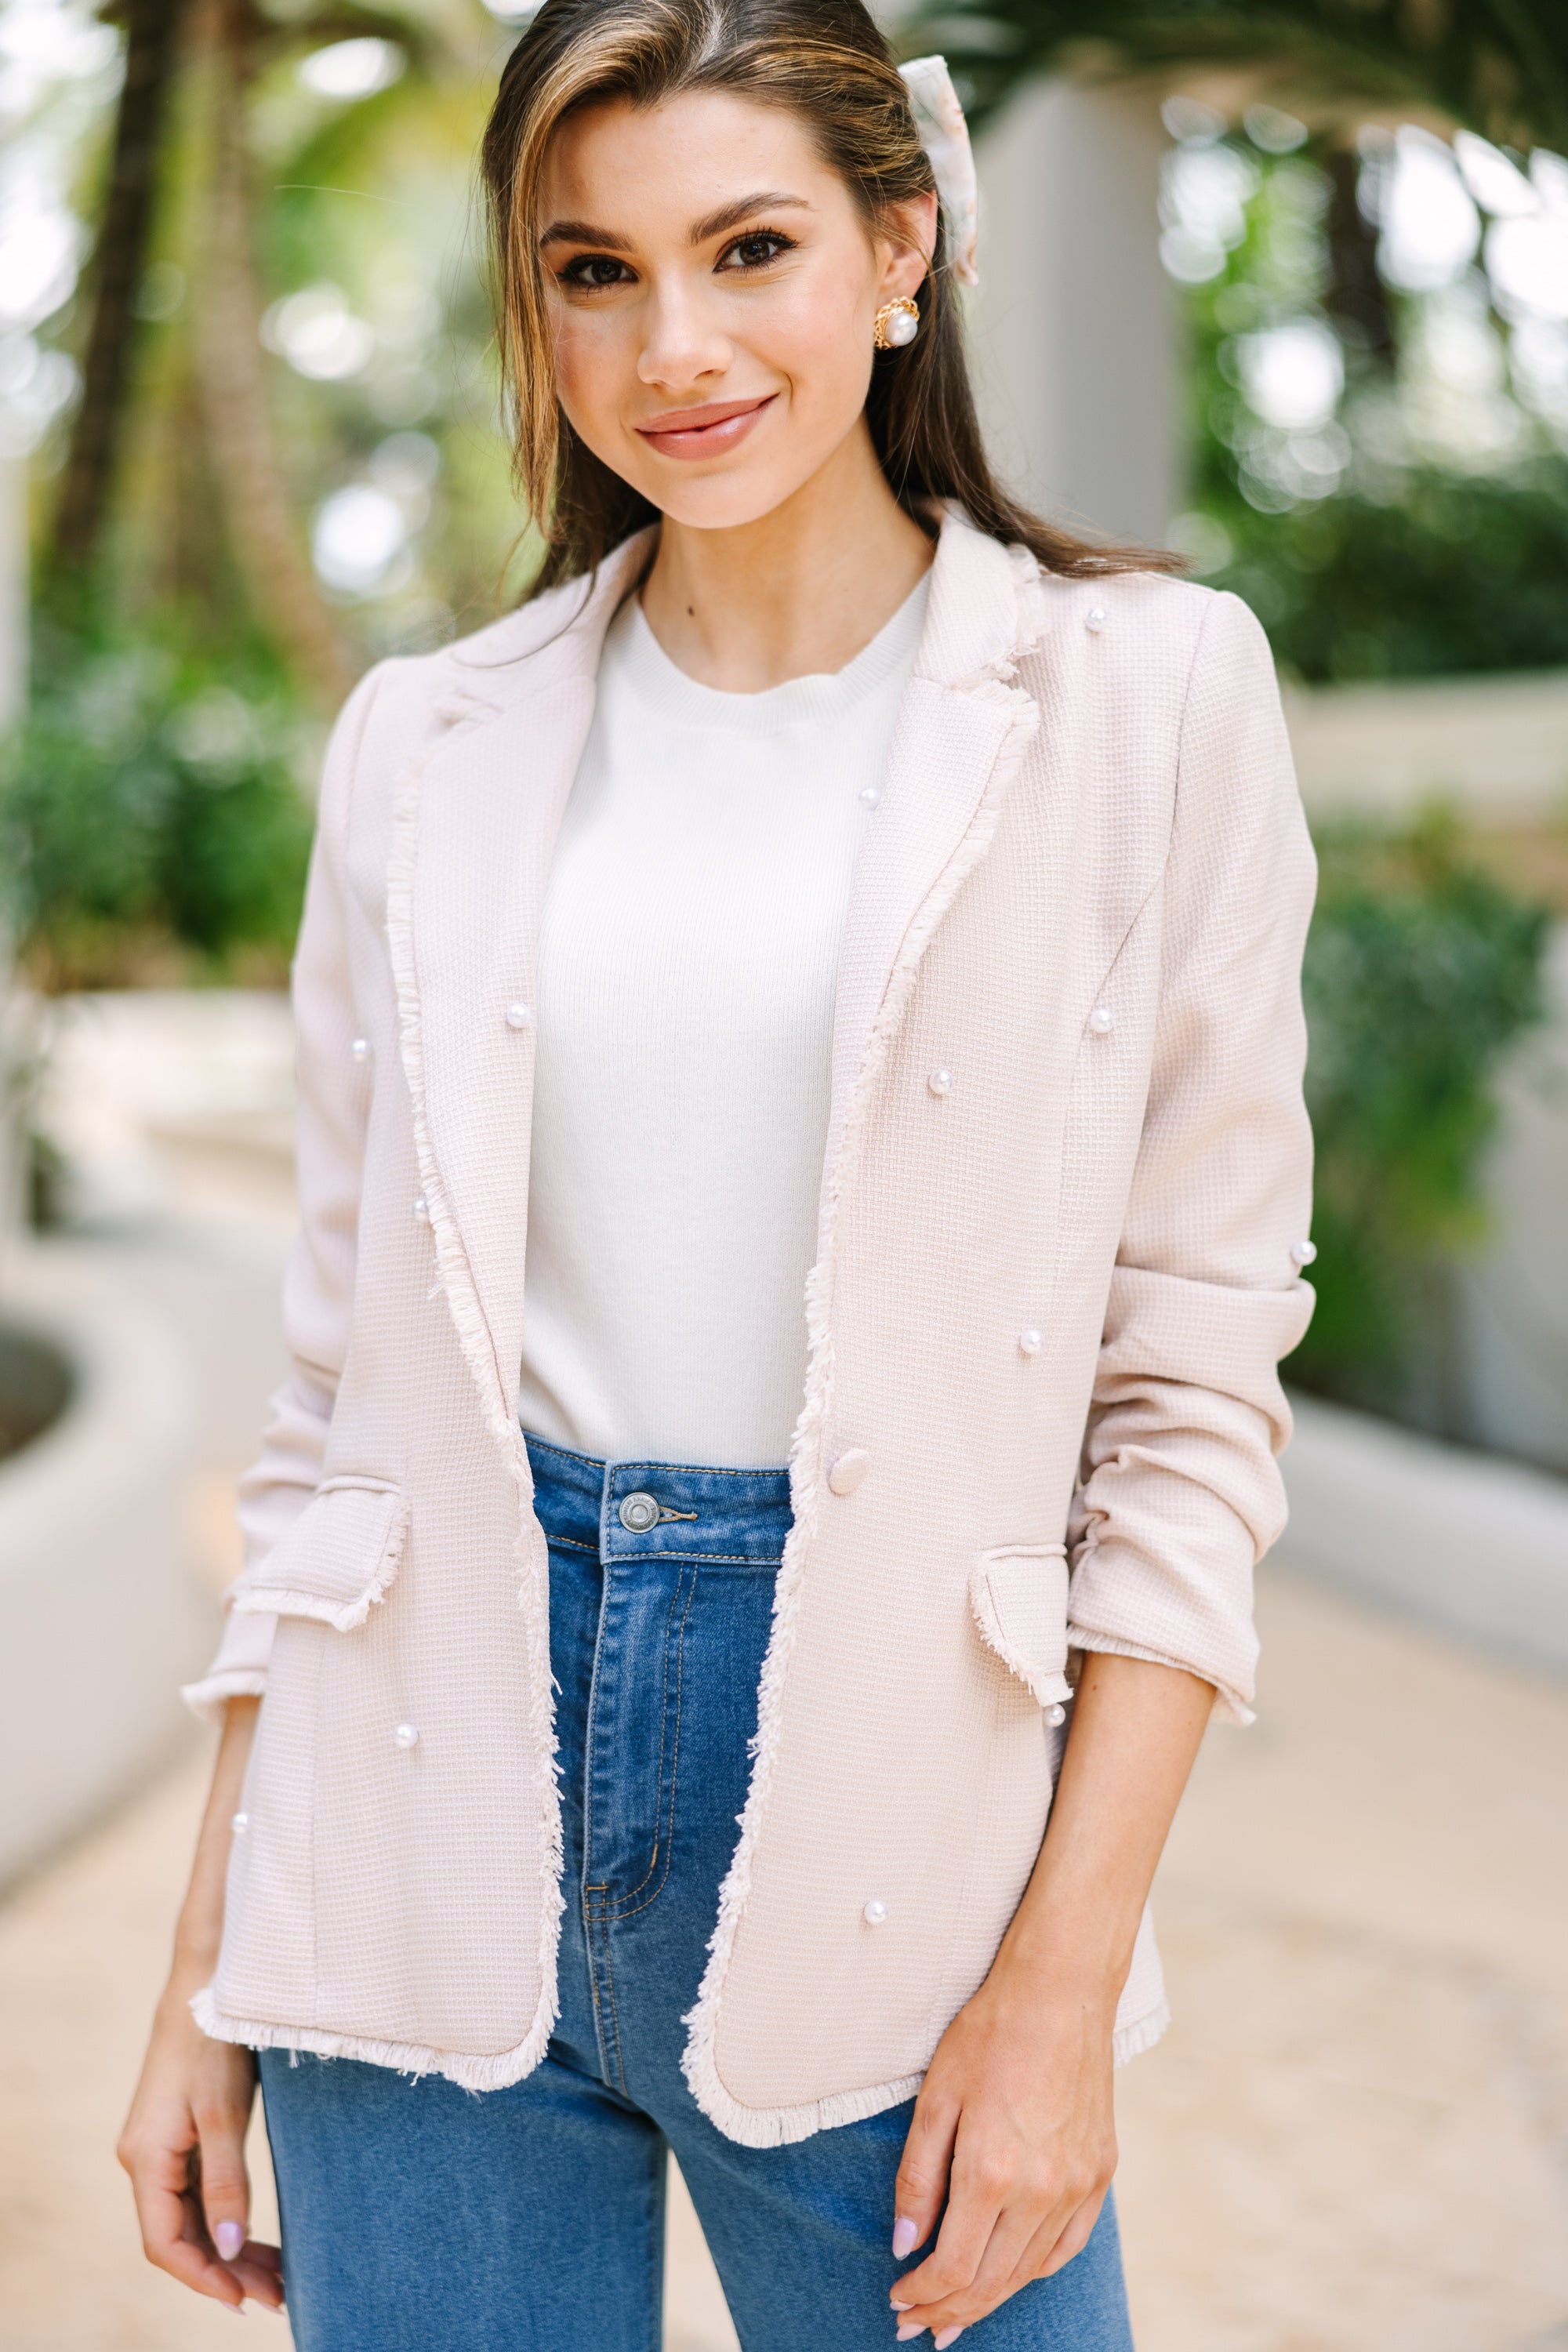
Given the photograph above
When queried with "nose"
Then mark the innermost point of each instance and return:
(683, 343)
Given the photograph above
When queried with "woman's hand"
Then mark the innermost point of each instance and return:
(184, 2142)
(1013, 2125)
(183, 2147)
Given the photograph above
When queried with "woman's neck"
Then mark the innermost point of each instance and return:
(795, 594)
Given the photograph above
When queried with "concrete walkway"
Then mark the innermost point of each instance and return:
(1353, 2139)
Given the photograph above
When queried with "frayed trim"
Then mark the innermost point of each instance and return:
(456, 1279)
(772, 2127)
(263, 1599)
(469, 2073)
(1131, 2041)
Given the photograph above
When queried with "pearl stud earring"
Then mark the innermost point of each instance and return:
(898, 323)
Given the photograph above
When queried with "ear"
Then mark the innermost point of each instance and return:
(905, 243)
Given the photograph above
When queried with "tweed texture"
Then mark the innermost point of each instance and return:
(1084, 896)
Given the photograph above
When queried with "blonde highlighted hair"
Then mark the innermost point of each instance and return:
(827, 60)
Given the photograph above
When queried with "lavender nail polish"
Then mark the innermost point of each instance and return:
(906, 2237)
(228, 2238)
(906, 2333)
(949, 2335)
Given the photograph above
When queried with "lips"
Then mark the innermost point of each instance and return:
(706, 431)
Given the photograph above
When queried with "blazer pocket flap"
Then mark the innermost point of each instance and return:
(338, 1557)
(1019, 1596)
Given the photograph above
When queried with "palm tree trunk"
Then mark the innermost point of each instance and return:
(267, 543)
(151, 44)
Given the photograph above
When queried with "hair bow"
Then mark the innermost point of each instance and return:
(944, 135)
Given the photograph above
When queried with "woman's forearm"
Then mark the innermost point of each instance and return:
(199, 1930)
(1136, 1730)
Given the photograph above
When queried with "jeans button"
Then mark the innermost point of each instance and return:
(637, 1513)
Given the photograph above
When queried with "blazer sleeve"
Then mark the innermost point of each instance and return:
(318, 1285)
(1180, 1493)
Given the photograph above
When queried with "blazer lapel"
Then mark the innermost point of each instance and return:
(962, 733)
(473, 835)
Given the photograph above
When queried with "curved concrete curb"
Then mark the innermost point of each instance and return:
(99, 1616)
(1477, 1542)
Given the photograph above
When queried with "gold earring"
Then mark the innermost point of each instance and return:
(898, 323)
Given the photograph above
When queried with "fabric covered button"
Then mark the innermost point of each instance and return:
(875, 1914)
(406, 1735)
(1095, 619)
(844, 1475)
(1102, 1021)
(1031, 1342)
(940, 1082)
(422, 1211)
(360, 1049)
(638, 1512)
(240, 1824)
(1304, 1252)
(519, 1016)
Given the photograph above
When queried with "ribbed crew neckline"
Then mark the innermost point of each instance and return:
(643, 665)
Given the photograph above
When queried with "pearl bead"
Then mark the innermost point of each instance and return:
(240, 1824)
(902, 326)
(1031, 1342)
(844, 1475)
(940, 1082)
(868, 795)
(422, 1211)
(1303, 1252)
(519, 1016)
(1102, 1021)
(1095, 619)
(875, 1915)
(1056, 1717)
(360, 1049)
(406, 1735)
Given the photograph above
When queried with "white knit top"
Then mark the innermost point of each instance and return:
(688, 959)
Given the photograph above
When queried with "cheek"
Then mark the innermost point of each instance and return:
(819, 337)
(595, 361)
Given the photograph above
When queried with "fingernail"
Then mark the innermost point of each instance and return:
(228, 2238)
(949, 2335)
(904, 2334)
(906, 2237)
(898, 2305)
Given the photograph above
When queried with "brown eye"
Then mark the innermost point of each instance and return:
(755, 251)
(594, 271)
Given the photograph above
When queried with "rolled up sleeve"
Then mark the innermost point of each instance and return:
(318, 1288)
(1180, 1493)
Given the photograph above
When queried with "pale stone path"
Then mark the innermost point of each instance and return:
(1354, 2138)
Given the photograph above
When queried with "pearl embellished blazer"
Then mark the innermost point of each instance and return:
(1061, 1228)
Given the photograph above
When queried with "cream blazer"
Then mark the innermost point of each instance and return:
(1041, 1412)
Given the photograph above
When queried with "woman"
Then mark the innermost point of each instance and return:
(816, 985)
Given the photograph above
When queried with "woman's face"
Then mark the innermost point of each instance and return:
(714, 291)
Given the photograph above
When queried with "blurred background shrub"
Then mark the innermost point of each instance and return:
(1421, 973)
(152, 823)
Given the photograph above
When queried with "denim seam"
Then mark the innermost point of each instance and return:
(620, 1912)
(573, 1543)
(663, 1720)
(703, 1559)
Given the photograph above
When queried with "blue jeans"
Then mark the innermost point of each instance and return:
(420, 2217)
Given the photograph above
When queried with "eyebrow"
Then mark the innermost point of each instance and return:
(571, 232)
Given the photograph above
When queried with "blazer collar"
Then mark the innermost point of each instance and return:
(475, 829)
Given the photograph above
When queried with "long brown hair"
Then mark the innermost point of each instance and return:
(827, 60)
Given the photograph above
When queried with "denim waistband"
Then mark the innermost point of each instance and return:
(625, 1511)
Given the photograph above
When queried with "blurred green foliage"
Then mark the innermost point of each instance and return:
(152, 823)
(1455, 573)
(1421, 971)
(1366, 546)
